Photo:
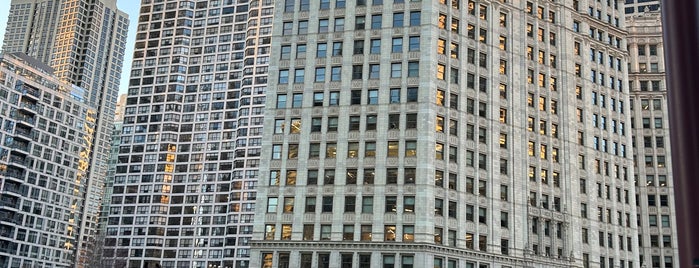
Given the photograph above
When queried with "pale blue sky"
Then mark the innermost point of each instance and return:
(128, 6)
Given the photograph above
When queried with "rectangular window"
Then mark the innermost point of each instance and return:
(376, 21)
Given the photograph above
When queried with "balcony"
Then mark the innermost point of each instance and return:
(14, 159)
(26, 133)
(11, 216)
(28, 90)
(24, 119)
(9, 201)
(15, 189)
(19, 146)
(10, 173)
(26, 106)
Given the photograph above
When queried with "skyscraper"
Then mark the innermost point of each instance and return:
(47, 130)
(83, 41)
(113, 156)
(186, 174)
(654, 187)
(448, 133)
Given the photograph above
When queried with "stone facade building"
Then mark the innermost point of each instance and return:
(448, 133)
(651, 132)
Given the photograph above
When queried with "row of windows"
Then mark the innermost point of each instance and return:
(364, 260)
(242, 230)
(646, 122)
(603, 167)
(601, 100)
(543, 202)
(650, 50)
(598, 56)
(371, 97)
(374, 72)
(601, 144)
(404, 233)
(336, 49)
(305, 5)
(605, 191)
(600, 121)
(653, 221)
(656, 243)
(609, 240)
(544, 153)
(375, 22)
(661, 182)
(554, 179)
(409, 150)
(656, 104)
(540, 34)
(394, 122)
(601, 216)
(645, 85)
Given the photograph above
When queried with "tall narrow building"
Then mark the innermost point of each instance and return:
(113, 156)
(652, 153)
(453, 133)
(186, 175)
(47, 133)
(83, 41)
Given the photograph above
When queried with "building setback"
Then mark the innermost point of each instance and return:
(652, 152)
(47, 133)
(448, 133)
(83, 41)
(184, 188)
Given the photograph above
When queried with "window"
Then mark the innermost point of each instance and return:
(337, 49)
(415, 18)
(350, 204)
(374, 71)
(369, 149)
(414, 43)
(376, 21)
(327, 204)
(408, 204)
(348, 232)
(397, 46)
(320, 75)
(330, 150)
(303, 27)
(335, 73)
(283, 76)
(277, 151)
(339, 25)
(332, 124)
(367, 204)
(286, 52)
(322, 50)
(323, 26)
(352, 150)
(398, 20)
(439, 151)
(325, 231)
(365, 233)
(391, 204)
(389, 233)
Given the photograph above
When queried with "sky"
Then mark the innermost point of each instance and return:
(129, 6)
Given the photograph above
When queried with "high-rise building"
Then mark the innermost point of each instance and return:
(47, 134)
(113, 156)
(98, 259)
(186, 173)
(453, 133)
(652, 153)
(84, 42)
